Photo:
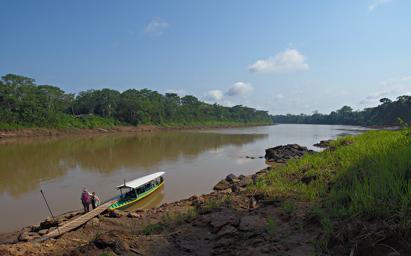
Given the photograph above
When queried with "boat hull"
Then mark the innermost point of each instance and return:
(119, 205)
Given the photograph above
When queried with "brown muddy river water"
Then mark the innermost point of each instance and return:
(193, 161)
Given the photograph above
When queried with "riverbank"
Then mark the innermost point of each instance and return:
(49, 132)
(350, 198)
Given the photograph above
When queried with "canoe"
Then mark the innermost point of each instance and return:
(138, 189)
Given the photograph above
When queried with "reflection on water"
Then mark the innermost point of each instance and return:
(61, 167)
(193, 162)
(23, 166)
(154, 199)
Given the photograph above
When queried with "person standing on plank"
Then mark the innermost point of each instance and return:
(85, 200)
(95, 201)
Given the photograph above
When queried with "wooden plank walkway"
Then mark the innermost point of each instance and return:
(73, 224)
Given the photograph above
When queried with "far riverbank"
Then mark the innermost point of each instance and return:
(54, 132)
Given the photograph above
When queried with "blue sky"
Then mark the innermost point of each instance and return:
(282, 56)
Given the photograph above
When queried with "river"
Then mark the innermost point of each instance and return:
(193, 161)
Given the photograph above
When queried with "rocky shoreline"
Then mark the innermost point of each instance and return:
(281, 154)
(231, 220)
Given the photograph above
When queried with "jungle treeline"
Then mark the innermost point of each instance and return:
(23, 103)
(388, 112)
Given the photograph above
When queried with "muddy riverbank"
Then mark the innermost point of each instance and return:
(10, 135)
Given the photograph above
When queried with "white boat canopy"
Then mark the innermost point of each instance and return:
(141, 181)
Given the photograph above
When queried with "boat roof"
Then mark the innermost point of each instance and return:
(141, 181)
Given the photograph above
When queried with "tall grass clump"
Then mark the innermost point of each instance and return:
(378, 183)
(367, 176)
(286, 181)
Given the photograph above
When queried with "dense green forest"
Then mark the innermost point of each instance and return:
(387, 113)
(23, 103)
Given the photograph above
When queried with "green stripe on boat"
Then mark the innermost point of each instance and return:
(138, 189)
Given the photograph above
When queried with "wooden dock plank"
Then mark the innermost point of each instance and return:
(76, 222)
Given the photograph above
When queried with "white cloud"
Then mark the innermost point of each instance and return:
(289, 60)
(179, 92)
(214, 95)
(279, 96)
(239, 89)
(262, 66)
(224, 97)
(156, 26)
(221, 97)
(377, 3)
(391, 88)
(227, 103)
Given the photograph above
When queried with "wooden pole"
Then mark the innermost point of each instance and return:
(45, 200)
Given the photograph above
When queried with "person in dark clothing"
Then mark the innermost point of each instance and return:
(85, 200)
(95, 201)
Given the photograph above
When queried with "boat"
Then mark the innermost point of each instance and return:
(137, 189)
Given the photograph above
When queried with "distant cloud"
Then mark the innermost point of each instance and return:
(290, 60)
(377, 3)
(214, 95)
(156, 26)
(221, 97)
(389, 89)
(239, 89)
(227, 103)
(179, 92)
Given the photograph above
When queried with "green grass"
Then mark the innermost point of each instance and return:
(10, 126)
(368, 179)
(376, 182)
(154, 228)
(170, 221)
(65, 121)
(288, 207)
(214, 203)
(272, 226)
(106, 254)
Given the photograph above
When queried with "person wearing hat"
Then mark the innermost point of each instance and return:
(85, 200)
